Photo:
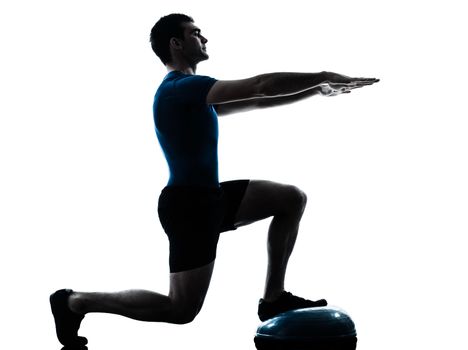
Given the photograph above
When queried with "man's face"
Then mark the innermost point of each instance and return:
(194, 44)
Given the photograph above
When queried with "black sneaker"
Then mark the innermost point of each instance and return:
(67, 322)
(285, 302)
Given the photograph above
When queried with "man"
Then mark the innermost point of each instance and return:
(194, 207)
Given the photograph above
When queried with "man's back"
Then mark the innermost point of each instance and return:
(187, 129)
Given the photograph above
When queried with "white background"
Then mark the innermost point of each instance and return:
(384, 167)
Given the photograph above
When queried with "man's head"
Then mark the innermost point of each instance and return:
(176, 37)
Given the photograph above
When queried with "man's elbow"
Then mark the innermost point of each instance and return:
(263, 86)
(273, 84)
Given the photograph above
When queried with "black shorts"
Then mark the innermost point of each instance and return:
(193, 217)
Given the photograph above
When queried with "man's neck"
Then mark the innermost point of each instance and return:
(184, 68)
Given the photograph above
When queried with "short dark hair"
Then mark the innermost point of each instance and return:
(167, 27)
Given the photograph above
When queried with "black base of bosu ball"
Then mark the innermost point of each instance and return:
(316, 328)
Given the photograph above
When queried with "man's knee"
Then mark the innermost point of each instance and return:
(297, 199)
(184, 313)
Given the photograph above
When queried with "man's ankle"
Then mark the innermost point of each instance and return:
(272, 296)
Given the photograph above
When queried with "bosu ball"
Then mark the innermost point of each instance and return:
(315, 328)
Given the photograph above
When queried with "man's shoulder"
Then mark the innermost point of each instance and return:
(187, 88)
(179, 79)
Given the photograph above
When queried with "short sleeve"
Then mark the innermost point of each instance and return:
(194, 88)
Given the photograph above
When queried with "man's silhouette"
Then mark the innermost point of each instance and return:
(194, 207)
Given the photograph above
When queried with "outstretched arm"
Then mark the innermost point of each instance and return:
(279, 84)
(276, 89)
(326, 88)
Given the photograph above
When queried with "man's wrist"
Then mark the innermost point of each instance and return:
(325, 76)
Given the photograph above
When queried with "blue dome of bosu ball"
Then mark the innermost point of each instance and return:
(316, 328)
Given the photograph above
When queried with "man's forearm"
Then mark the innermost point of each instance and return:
(285, 100)
(283, 84)
(263, 102)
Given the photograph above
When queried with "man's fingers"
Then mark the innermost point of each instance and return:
(341, 79)
(360, 85)
(375, 80)
(364, 82)
(357, 82)
(352, 85)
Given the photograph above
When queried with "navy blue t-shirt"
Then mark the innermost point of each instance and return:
(187, 129)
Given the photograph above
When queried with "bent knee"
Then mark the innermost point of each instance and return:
(184, 314)
(183, 318)
(297, 199)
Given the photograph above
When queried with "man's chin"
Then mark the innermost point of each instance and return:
(204, 57)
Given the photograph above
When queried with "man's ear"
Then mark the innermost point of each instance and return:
(175, 43)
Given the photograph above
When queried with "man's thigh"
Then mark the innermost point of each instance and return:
(263, 199)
